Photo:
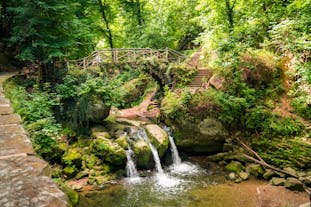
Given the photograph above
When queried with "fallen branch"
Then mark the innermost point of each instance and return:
(261, 162)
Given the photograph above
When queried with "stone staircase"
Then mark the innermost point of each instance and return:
(22, 175)
(201, 78)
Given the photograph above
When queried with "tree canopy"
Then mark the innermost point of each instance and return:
(59, 29)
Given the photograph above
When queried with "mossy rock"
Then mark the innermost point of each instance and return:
(97, 111)
(108, 151)
(205, 137)
(143, 155)
(294, 184)
(56, 172)
(277, 181)
(72, 195)
(73, 157)
(122, 141)
(70, 171)
(255, 170)
(91, 161)
(158, 137)
(235, 167)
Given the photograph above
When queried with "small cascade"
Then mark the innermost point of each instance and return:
(131, 170)
(175, 154)
(143, 135)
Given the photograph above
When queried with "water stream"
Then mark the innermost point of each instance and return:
(131, 170)
(143, 135)
(175, 154)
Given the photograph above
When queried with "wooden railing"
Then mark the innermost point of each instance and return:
(126, 55)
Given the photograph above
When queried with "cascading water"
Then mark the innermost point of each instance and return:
(175, 154)
(178, 166)
(143, 135)
(131, 170)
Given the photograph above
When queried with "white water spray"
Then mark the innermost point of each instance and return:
(175, 154)
(131, 170)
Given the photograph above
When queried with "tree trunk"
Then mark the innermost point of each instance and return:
(108, 32)
(230, 14)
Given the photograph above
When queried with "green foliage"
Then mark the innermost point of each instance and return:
(283, 152)
(36, 111)
(37, 39)
(175, 104)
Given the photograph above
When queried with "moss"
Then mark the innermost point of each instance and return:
(142, 154)
(108, 151)
(70, 171)
(235, 167)
(73, 157)
(122, 141)
(72, 195)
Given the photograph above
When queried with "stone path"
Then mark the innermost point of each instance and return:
(23, 180)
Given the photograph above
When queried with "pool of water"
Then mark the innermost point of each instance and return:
(189, 184)
(197, 183)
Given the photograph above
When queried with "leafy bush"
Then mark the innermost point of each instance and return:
(36, 110)
(260, 119)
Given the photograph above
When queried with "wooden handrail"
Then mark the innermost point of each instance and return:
(127, 55)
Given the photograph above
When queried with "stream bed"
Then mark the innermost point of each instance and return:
(198, 183)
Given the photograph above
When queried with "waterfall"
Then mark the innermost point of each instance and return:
(143, 135)
(131, 170)
(175, 154)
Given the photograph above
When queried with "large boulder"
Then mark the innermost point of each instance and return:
(143, 155)
(97, 111)
(158, 137)
(108, 151)
(205, 137)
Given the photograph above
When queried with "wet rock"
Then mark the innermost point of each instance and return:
(255, 170)
(244, 175)
(277, 181)
(235, 167)
(205, 137)
(294, 184)
(217, 157)
(143, 155)
(158, 138)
